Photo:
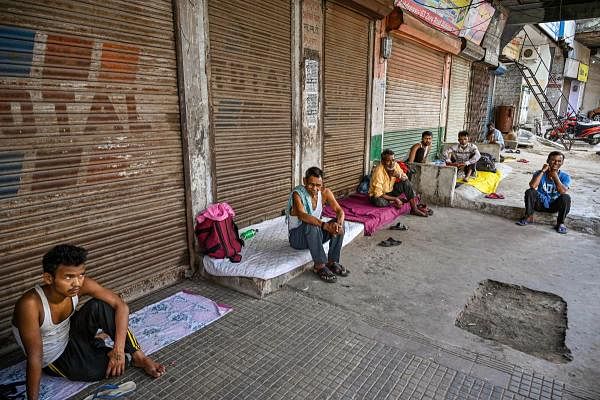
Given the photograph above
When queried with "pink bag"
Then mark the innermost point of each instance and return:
(217, 234)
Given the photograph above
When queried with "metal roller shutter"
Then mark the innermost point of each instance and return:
(460, 74)
(413, 96)
(345, 80)
(250, 82)
(90, 143)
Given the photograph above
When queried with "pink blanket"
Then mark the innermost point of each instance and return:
(358, 208)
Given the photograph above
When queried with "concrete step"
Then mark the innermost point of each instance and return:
(468, 197)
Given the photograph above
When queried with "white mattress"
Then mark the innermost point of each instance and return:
(268, 254)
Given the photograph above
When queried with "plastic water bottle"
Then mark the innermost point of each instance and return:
(249, 234)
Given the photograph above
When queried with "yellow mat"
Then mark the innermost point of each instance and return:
(486, 182)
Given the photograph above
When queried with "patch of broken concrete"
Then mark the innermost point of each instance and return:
(527, 320)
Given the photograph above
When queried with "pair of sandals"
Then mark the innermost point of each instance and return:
(328, 273)
(390, 242)
(562, 229)
(496, 196)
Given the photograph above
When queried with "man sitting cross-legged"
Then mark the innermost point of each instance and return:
(62, 341)
(389, 182)
(308, 231)
(463, 155)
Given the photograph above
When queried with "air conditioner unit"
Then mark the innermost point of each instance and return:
(529, 53)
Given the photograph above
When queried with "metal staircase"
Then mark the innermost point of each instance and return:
(539, 93)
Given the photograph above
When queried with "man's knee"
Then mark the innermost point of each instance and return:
(95, 306)
(564, 199)
(379, 202)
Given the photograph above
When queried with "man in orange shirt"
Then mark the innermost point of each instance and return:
(389, 182)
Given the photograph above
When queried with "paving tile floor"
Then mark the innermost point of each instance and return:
(291, 346)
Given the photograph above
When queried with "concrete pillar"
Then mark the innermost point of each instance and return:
(310, 143)
(377, 95)
(192, 47)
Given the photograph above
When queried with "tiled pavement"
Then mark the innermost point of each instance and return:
(290, 346)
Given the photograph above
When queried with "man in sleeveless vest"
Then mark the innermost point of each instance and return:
(419, 152)
(308, 231)
(64, 342)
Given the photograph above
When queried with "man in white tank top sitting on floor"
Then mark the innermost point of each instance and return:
(308, 231)
(62, 341)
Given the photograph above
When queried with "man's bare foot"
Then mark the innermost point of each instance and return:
(149, 366)
(418, 212)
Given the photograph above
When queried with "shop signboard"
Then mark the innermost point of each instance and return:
(457, 17)
(513, 48)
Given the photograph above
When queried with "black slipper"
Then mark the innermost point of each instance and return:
(389, 243)
(399, 227)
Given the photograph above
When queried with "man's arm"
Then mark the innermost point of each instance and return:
(336, 227)
(560, 187)
(299, 212)
(447, 154)
(474, 158)
(537, 177)
(27, 321)
(116, 362)
(413, 152)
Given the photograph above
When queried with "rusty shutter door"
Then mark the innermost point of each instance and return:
(90, 143)
(413, 96)
(460, 74)
(345, 80)
(250, 82)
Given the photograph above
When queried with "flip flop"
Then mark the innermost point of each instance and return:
(561, 229)
(494, 196)
(111, 391)
(389, 243)
(522, 160)
(523, 222)
(392, 240)
(399, 227)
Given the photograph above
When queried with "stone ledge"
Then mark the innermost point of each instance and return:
(590, 225)
(255, 287)
(434, 183)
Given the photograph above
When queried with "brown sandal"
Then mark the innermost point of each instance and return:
(325, 274)
(338, 269)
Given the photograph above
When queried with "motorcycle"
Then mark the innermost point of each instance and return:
(576, 127)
